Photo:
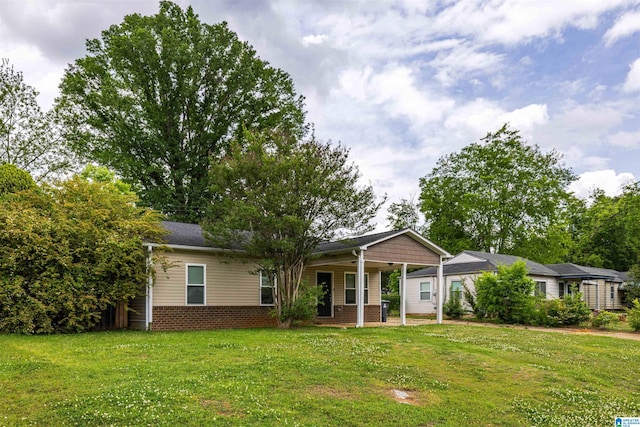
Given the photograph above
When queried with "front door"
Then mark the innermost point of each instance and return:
(325, 280)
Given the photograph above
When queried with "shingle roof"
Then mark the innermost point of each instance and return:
(533, 267)
(490, 263)
(184, 234)
(458, 268)
(191, 235)
(570, 270)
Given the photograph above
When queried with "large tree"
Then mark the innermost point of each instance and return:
(499, 195)
(608, 231)
(157, 96)
(278, 197)
(28, 136)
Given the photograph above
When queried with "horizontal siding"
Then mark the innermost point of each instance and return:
(402, 249)
(228, 282)
(338, 281)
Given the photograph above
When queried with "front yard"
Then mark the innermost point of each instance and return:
(447, 375)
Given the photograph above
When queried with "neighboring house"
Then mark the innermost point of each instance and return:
(205, 289)
(602, 288)
(465, 268)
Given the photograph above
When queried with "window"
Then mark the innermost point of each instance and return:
(266, 289)
(456, 288)
(425, 291)
(612, 295)
(350, 280)
(196, 284)
(541, 289)
(561, 290)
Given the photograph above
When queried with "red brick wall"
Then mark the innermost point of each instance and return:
(180, 318)
(348, 314)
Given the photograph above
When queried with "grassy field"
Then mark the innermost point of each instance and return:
(452, 375)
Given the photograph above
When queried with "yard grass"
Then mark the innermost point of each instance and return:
(453, 375)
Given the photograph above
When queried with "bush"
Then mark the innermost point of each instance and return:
(631, 293)
(633, 315)
(394, 301)
(470, 299)
(453, 307)
(569, 311)
(68, 253)
(603, 319)
(507, 295)
(305, 307)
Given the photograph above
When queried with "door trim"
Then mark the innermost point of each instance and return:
(332, 285)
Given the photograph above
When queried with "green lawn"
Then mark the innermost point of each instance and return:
(454, 375)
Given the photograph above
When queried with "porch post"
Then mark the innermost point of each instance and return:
(149, 299)
(403, 295)
(360, 291)
(440, 292)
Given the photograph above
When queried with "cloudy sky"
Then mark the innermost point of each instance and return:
(404, 82)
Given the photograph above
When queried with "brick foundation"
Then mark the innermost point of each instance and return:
(182, 318)
(348, 314)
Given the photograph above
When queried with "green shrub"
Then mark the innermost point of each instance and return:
(453, 307)
(470, 299)
(633, 315)
(569, 311)
(631, 293)
(394, 301)
(604, 319)
(507, 295)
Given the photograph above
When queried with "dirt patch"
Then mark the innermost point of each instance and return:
(405, 396)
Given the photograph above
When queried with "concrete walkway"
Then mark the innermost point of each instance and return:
(395, 321)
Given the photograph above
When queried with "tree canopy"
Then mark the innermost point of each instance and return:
(28, 137)
(158, 96)
(68, 252)
(608, 230)
(499, 195)
(278, 197)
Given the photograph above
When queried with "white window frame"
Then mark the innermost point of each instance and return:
(420, 291)
(355, 288)
(451, 290)
(203, 285)
(537, 291)
(262, 275)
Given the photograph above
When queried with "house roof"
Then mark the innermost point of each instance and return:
(458, 268)
(485, 262)
(191, 235)
(574, 271)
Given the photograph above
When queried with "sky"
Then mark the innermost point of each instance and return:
(403, 83)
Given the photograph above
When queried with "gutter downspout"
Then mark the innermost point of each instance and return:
(149, 300)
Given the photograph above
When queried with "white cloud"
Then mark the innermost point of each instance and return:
(632, 83)
(460, 62)
(626, 139)
(481, 116)
(314, 39)
(626, 25)
(607, 180)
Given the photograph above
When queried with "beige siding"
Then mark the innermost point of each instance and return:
(402, 249)
(338, 281)
(228, 283)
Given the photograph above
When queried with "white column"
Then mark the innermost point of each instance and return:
(403, 295)
(440, 291)
(360, 291)
(149, 299)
